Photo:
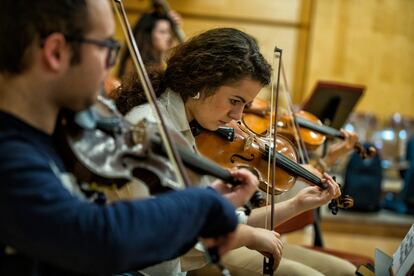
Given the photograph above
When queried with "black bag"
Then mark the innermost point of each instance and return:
(407, 193)
(363, 182)
(403, 202)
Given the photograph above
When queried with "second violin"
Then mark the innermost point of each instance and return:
(311, 129)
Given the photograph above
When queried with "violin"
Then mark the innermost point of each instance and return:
(237, 146)
(311, 129)
(102, 148)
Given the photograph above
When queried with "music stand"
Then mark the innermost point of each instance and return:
(332, 102)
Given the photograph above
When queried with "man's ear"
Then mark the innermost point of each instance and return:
(56, 52)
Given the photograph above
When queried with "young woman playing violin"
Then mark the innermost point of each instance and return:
(210, 79)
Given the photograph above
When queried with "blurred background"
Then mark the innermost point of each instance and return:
(368, 43)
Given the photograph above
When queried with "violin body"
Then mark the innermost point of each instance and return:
(244, 150)
(105, 151)
(312, 139)
(101, 158)
(312, 132)
(235, 146)
(257, 118)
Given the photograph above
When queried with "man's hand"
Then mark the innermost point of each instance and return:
(240, 194)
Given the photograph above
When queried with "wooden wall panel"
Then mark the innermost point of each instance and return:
(283, 23)
(368, 42)
(267, 36)
(259, 10)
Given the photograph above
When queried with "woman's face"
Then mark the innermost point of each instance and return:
(225, 104)
(162, 36)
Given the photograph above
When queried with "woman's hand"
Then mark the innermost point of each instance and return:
(340, 149)
(240, 194)
(313, 196)
(267, 243)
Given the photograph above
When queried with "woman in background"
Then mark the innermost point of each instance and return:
(154, 35)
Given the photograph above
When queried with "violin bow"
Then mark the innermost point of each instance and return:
(268, 263)
(344, 201)
(150, 94)
(303, 152)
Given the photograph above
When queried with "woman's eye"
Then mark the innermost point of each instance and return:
(234, 102)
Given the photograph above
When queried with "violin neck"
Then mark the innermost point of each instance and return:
(295, 169)
(329, 131)
(197, 163)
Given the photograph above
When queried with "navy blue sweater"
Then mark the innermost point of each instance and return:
(52, 230)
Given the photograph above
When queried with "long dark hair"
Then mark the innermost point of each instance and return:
(212, 59)
(142, 31)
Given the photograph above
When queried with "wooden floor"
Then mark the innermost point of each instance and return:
(358, 232)
(353, 238)
(355, 243)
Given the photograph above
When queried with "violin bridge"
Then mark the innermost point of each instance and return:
(249, 142)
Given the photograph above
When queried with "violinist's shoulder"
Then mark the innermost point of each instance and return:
(14, 146)
(139, 113)
(14, 142)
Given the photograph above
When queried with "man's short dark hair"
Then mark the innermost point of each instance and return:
(24, 23)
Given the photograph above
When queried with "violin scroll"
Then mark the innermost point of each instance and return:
(341, 202)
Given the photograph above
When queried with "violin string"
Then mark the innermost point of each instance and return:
(277, 57)
(269, 134)
(299, 141)
(298, 169)
(293, 166)
(268, 262)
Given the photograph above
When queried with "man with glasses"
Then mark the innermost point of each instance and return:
(55, 55)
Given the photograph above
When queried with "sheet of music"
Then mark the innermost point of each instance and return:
(403, 258)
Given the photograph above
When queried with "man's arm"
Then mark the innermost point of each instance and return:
(43, 220)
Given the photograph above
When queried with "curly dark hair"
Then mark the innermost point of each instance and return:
(212, 59)
(23, 23)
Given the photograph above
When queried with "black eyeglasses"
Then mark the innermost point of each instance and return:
(112, 45)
